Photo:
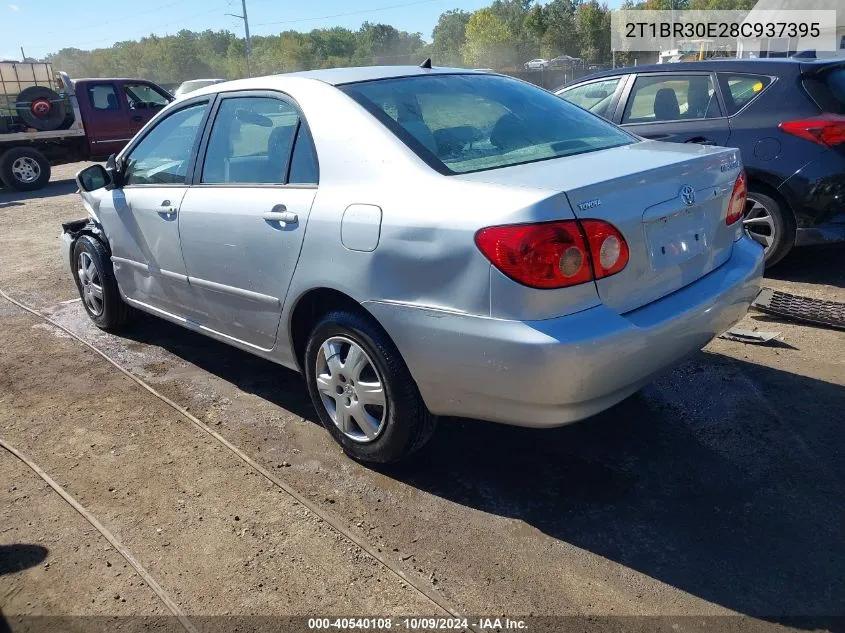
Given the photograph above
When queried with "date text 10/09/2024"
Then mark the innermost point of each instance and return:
(416, 624)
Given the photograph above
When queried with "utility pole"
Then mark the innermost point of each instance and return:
(246, 31)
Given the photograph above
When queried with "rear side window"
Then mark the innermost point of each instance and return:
(251, 141)
(595, 96)
(303, 163)
(671, 98)
(463, 123)
(740, 90)
(103, 97)
(828, 90)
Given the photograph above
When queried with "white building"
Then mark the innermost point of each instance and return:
(785, 47)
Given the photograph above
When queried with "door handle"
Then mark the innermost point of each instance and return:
(281, 215)
(167, 210)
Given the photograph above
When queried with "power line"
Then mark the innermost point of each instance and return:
(245, 18)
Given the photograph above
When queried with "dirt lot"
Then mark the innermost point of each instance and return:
(718, 490)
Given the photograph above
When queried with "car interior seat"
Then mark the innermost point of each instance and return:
(666, 106)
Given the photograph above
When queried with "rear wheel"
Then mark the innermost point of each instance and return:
(362, 390)
(768, 222)
(24, 169)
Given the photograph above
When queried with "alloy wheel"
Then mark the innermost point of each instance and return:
(759, 224)
(26, 169)
(91, 283)
(351, 389)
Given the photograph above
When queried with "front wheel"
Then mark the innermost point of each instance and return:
(769, 223)
(362, 390)
(97, 286)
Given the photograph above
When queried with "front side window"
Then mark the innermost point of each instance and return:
(163, 155)
(740, 90)
(103, 97)
(144, 97)
(661, 98)
(595, 96)
(465, 123)
(251, 141)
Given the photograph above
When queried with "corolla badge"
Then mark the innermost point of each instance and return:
(687, 194)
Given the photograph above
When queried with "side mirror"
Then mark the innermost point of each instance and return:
(93, 178)
(114, 168)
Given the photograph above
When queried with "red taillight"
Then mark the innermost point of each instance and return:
(827, 129)
(554, 254)
(608, 248)
(736, 207)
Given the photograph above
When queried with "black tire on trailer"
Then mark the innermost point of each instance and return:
(24, 169)
(41, 108)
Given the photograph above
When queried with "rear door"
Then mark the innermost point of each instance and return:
(107, 124)
(676, 107)
(243, 221)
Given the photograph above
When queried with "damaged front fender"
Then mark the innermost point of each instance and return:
(70, 233)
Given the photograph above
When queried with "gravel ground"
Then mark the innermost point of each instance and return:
(718, 490)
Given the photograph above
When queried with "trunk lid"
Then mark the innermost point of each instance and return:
(668, 200)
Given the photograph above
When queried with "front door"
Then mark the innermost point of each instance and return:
(680, 108)
(143, 100)
(142, 217)
(243, 222)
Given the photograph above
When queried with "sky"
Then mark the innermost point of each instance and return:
(45, 26)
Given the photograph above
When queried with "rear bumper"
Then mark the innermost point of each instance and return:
(556, 371)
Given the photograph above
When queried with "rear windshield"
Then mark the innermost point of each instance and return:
(465, 123)
(828, 90)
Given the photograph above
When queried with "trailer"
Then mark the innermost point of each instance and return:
(46, 119)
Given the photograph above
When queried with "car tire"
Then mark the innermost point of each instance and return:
(98, 287)
(366, 432)
(24, 169)
(768, 222)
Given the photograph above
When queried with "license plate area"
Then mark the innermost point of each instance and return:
(676, 237)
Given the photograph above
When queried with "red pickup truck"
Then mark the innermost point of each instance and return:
(84, 119)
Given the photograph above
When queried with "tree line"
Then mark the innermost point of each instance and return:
(502, 36)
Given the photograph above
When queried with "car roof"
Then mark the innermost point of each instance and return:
(775, 66)
(339, 76)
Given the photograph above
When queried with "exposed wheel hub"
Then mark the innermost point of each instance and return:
(26, 169)
(351, 389)
(41, 107)
(759, 224)
(91, 283)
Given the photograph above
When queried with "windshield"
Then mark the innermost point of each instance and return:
(465, 123)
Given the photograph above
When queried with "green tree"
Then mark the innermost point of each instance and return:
(448, 37)
(488, 41)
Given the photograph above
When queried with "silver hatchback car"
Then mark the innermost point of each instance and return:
(419, 243)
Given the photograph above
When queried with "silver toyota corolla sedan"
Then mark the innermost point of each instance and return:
(419, 243)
